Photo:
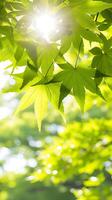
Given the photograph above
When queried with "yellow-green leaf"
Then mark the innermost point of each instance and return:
(28, 99)
(41, 104)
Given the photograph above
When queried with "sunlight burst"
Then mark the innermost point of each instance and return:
(46, 24)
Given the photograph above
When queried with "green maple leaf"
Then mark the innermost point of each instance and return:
(102, 60)
(46, 57)
(78, 80)
(40, 95)
(103, 63)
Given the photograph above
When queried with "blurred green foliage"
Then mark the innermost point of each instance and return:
(26, 141)
(14, 187)
(71, 162)
(80, 157)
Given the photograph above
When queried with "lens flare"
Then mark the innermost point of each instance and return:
(46, 24)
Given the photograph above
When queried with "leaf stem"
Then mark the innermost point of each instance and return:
(50, 66)
(78, 54)
(97, 17)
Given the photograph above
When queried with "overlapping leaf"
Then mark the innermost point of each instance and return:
(82, 25)
(40, 96)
